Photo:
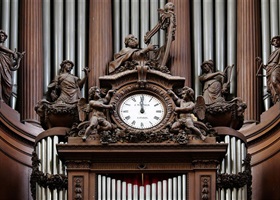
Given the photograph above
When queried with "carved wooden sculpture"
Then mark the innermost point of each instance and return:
(273, 70)
(66, 87)
(98, 121)
(131, 57)
(167, 22)
(60, 106)
(185, 112)
(9, 61)
(219, 111)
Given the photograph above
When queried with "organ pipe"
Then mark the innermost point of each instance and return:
(58, 36)
(47, 43)
(220, 57)
(14, 45)
(197, 48)
(208, 28)
(231, 41)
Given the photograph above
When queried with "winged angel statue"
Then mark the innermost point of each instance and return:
(95, 110)
(186, 107)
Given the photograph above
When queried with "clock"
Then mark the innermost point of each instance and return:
(145, 109)
(142, 111)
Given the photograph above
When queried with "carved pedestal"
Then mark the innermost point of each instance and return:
(86, 160)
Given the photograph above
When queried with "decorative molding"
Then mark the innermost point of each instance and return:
(205, 184)
(84, 164)
(203, 164)
(78, 187)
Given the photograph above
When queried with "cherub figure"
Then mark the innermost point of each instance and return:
(9, 61)
(97, 106)
(185, 107)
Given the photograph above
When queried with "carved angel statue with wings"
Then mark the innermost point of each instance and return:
(96, 107)
(185, 111)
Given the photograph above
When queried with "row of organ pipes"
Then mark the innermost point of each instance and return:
(113, 188)
(68, 38)
(50, 164)
(233, 164)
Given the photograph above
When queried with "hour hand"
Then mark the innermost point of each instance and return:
(142, 104)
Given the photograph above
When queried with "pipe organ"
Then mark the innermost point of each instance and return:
(67, 33)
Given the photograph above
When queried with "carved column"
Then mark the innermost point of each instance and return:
(31, 70)
(100, 39)
(180, 53)
(248, 48)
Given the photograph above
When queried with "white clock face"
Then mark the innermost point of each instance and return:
(142, 111)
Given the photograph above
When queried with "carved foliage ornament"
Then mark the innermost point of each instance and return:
(239, 180)
(51, 181)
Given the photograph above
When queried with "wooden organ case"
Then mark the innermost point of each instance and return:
(143, 135)
(139, 158)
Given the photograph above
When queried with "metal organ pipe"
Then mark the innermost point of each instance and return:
(81, 41)
(144, 26)
(230, 40)
(14, 45)
(70, 26)
(58, 35)
(47, 43)
(265, 29)
(124, 21)
(219, 33)
(197, 48)
(48, 164)
(135, 18)
(208, 28)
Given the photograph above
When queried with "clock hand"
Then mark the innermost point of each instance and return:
(142, 104)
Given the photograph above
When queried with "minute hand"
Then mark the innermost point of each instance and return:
(142, 104)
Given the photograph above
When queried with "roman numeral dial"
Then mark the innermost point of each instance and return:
(142, 111)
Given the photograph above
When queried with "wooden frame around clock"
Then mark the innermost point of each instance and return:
(151, 89)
